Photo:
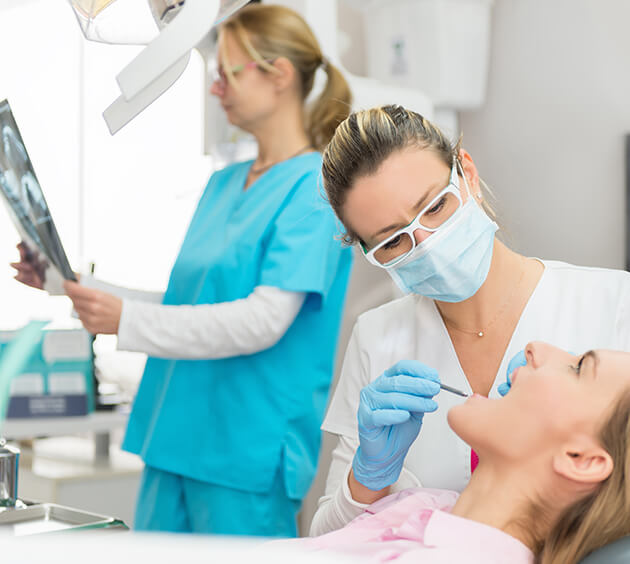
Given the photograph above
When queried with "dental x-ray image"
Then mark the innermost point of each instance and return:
(27, 206)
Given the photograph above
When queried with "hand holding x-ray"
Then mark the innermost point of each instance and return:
(31, 268)
(43, 261)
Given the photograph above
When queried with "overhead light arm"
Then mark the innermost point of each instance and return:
(192, 23)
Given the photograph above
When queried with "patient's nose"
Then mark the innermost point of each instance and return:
(538, 353)
(535, 353)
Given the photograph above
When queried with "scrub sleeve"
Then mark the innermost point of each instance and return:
(246, 422)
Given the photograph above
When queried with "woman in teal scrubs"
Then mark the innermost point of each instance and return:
(241, 344)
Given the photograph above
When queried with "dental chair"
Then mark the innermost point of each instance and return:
(617, 552)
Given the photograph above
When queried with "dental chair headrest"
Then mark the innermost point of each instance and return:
(617, 552)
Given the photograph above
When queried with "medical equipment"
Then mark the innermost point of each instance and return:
(439, 47)
(56, 379)
(181, 25)
(434, 215)
(9, 460)
(452, 264)
(454, 390)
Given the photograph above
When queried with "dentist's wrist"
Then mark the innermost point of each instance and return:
(363, 494)
(375, 474)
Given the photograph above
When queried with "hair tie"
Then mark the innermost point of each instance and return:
(325, 63)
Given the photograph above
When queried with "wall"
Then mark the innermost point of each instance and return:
(549, 138)
(40, 42)
(100, 188)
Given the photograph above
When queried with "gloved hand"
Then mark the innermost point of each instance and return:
(390, 416)
(517, 360)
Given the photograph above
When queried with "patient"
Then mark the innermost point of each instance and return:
(550, 486)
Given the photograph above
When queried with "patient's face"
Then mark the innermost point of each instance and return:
(555, 397)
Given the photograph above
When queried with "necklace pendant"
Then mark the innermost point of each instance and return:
(480, 334)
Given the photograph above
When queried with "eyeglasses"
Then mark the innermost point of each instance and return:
(440, 209)
(219, 75)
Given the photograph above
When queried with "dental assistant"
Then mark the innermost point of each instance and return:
(413, 202)
(241, 345)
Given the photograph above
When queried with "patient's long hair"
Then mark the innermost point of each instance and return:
(604, 515)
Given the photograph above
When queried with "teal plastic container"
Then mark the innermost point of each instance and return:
(54, 376)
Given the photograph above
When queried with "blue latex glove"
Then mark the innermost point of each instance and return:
(517, 360)
(390, 416)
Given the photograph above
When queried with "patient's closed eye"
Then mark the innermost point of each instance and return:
(578, 367)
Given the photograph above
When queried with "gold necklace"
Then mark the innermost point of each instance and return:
(262, 169)
(482, 332)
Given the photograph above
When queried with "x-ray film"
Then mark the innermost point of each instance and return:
(27, 206)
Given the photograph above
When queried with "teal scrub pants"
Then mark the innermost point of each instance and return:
(173, 503)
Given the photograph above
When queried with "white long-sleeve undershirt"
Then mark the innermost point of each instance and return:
(336, 508)
(210, 331)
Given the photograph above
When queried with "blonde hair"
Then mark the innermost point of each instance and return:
(267, 32)
(604, 515)
(367, 138)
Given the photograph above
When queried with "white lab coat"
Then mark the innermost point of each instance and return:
(574, 308)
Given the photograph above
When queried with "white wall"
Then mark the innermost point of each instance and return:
(549, 138)
(111, 197)
(40, 42)
(141, 185)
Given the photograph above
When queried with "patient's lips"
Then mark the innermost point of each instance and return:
(478, 396)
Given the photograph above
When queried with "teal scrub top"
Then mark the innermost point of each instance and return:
(234, 421)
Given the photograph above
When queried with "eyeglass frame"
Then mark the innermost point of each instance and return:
(415, 224)
(218, 74)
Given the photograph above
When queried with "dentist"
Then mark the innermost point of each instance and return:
(413, 203)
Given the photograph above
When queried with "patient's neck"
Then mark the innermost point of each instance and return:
(503, 499)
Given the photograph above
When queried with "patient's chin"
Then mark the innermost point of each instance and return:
(467, 422)
(459, 417)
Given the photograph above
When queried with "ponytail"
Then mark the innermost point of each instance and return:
(330, 109)
(268, 31)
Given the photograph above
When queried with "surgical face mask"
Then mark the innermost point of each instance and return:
(453, 262)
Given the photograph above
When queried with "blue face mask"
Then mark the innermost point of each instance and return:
(453, 262)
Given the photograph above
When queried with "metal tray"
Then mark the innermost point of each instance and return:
(50, 517)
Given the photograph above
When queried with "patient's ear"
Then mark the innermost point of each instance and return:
(584, 462)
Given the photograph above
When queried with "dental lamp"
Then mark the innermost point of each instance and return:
(170, 28)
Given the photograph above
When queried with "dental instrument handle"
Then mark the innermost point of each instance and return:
(454, 391)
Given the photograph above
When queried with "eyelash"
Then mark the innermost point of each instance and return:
(393, 243)
(579, 365)
(437, 206)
